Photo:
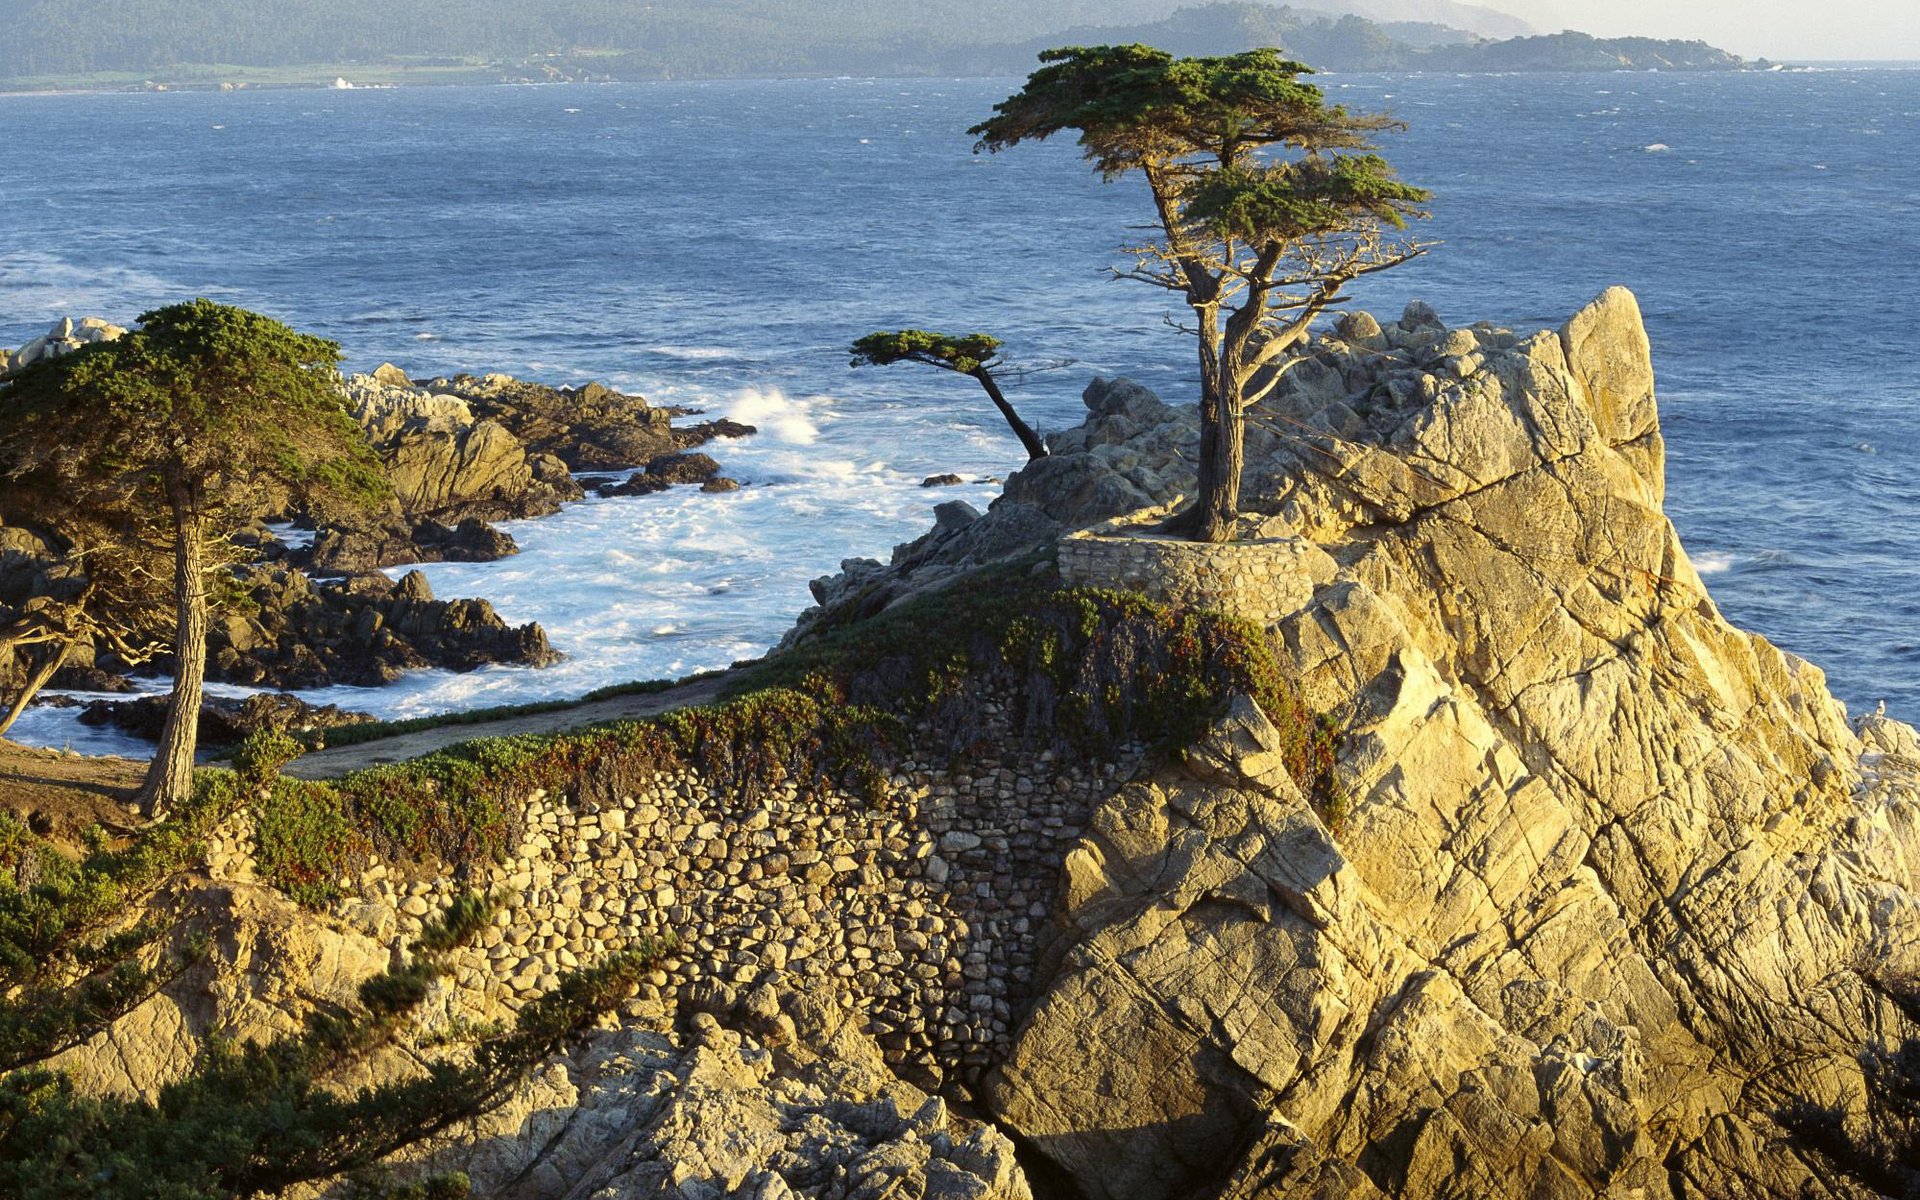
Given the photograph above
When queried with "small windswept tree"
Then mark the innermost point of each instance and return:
(974, 354)
(1267, 203)
(189, 420)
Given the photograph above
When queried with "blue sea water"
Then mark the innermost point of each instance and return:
(718, 244)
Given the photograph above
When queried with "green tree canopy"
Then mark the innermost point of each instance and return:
(1268, 202)
(189, 422)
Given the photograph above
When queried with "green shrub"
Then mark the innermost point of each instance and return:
(263, 753)
(304, 841)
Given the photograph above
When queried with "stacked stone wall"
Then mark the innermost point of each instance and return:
(921, 913)
(1261, 581)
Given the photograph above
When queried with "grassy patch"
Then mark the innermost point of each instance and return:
(305, 841)
(373, 731)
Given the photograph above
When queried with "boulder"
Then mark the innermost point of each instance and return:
(366, 631)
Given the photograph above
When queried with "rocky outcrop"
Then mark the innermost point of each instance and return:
(66, 336)
(468, 450)
(589, 428)
(366, 631)
(448, 463)
(223, 721)
(358, 550)
(1599, 893)
(1614, 887)
(772, 1103)
(666, 470)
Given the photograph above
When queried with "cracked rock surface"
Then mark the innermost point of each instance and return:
(1616, 884)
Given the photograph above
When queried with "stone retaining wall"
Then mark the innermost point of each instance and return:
(922, 914)
(1261, 581)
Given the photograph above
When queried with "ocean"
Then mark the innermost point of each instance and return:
(717, 245)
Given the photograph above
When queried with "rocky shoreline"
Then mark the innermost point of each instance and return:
(317, 611)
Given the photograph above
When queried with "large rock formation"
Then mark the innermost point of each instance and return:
(589, 428)
(1617, 887)
(365, 632)
(773, 1104)
(469, 450)
(447, 464)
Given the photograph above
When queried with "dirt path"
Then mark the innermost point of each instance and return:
(58, 794)
(344, 760)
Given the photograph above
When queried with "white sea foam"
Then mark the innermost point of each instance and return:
(1658, 148)
(776, 416)
(1713, 562)
(695, 353)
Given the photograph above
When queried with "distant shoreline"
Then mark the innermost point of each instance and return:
(391, 82)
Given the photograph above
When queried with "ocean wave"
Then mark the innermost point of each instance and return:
(776, 415)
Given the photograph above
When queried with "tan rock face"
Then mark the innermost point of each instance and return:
(1615, 878)
(805, 1106)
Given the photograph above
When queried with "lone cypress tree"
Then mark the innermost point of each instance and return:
(190, 419)
(1267, 204)
(972, 354)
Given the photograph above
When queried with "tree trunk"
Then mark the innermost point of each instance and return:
(170, 777)
(1036, 448)
(1223, 445)
(36, 679)
(1211, 516)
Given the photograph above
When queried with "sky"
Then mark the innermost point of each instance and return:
(1779, 29)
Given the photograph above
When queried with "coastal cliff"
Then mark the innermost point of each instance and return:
(1439, 837)
(1616, 887)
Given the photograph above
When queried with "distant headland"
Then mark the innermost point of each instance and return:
(226, 45)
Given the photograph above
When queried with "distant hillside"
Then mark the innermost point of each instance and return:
(1475, 19)
(59, 41)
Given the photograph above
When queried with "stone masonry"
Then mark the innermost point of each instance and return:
(921, 913)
